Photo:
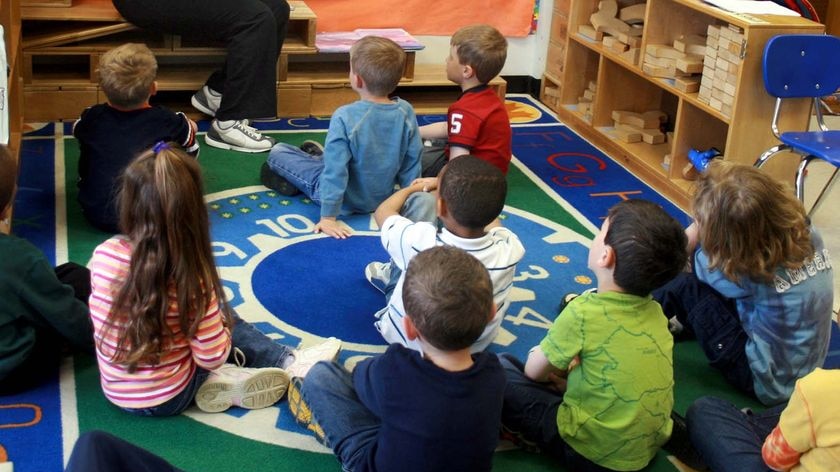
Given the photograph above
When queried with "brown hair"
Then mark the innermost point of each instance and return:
(474, 191)
(749, 223)
(649, 245)
(448, 295)
(483, 48)
(8, 176)
(163, 214)
(379, 62)
(126, 74)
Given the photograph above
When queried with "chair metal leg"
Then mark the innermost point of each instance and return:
(766, 155)
(825, 191)
(799, 181)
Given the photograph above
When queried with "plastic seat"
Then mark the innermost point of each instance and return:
(800, 66)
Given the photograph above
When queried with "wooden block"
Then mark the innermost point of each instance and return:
(592, 85)
(608, 7)
(713, 31)
(663, 51)
(630, 40)
(711, 53)
(609, 41)
(660, 61)
(687, 84)
(686, 41)
(726, 109)
(631, 55)
(731, 79)
(729, 89)
(705, 91)
(627, 135)
(666, 161)
(637, 120)
(584, 107)
(633, 13)
(590, 32)
(552, 92)
(690, 64)
(689, 172)
(615, 45)
(604, 21)
(658, 115)
(653, 136)
(716, 104)
(589, 95)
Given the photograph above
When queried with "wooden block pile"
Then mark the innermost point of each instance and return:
(724, 54)
(632, 127)
(586, 100)
(680, 62)
(619, 30)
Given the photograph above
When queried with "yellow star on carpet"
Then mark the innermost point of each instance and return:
(560, 259)
(582, 279)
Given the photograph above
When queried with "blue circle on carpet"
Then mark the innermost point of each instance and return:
(331, 285)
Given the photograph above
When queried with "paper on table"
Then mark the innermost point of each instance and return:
(752, 6)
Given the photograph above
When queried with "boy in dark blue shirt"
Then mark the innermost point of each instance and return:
(407, 411)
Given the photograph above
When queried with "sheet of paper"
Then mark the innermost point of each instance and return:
(753, 7)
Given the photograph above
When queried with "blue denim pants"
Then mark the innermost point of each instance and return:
(350, 428)
(530, 409)
(727, 438)
(98, 451)
(259, 350)
(714, 321)
(301, 169)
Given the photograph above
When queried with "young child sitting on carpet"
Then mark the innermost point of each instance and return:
(799, 436)
(42, 308)
(372, 144)
(597, 392)
(470, 198)
(477, 123)
(407, 411)
(112, 134)
(760, 297)
(162, 326)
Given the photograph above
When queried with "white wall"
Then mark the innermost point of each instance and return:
(526, 56)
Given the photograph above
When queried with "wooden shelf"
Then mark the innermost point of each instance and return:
(741, 131)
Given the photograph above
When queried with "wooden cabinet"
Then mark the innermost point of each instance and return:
(10, 19)
(617, 81)
(62, 46)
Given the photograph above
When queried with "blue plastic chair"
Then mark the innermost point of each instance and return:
(804, 66)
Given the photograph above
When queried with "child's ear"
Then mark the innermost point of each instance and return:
(358, 82)
(410, 330)
(440, 205)
(607, 258)
(467, 71)
(153, 89)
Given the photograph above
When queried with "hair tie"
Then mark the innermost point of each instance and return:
(160, 146)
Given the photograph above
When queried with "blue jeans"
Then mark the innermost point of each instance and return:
(301, 169)
(349, 427)
(98, 451)
(714, 320)
(259, 350)
(530, 409)
(727, 438)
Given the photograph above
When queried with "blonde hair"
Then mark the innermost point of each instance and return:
(380, 63)
(163, 214)
(481, 47)
(126, 74)
(750, 224)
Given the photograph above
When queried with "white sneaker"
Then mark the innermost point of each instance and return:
(378, 274)
(207, 101)
(239, 137)
(231, 385)
(306, 358)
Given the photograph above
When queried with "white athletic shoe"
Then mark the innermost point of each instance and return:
(306, 358)
(378, 274)
(207, 101)
(231, 385)
(238, 137)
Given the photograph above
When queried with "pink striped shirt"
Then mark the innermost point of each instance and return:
(150, 385)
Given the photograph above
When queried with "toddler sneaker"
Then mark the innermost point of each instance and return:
(378, 274)
(301, 412)
(239, 136)
(276, 182)
(313, 148)
(306, 358)
(231, 385)
(207, 101)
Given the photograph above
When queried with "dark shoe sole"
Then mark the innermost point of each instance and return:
(276, 182)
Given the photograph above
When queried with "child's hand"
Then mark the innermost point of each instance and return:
(557, 382)
(426, 183)
(334, 228)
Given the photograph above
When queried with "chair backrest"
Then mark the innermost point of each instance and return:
(802, 65)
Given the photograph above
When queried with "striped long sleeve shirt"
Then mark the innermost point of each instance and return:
(149, 385)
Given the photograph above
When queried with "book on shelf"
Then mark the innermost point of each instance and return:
(341, 41)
